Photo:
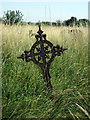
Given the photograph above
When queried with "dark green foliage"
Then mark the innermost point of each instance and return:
(84, 22)
(54, 23)
(12, 17)
(71, 22)
(46, 23)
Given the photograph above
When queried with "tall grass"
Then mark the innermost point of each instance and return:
(24, 92)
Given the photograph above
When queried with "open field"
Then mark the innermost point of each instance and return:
(24, 92)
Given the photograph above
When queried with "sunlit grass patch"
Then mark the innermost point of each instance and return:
(24, 91)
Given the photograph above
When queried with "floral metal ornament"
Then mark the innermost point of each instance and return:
(42, 53)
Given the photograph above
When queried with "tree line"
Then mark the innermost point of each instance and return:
(16, 17)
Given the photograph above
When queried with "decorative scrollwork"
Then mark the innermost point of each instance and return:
(42, 53)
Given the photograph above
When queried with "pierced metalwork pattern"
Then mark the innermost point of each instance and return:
(42, 53)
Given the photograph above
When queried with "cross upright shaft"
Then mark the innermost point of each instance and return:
(47, 77)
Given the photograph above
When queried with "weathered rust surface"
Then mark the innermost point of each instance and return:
(43, 53)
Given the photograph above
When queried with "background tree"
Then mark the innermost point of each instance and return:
(66, 22)
(54, 23)
(71, 22)
(83, 22)
(47, 23)
(12, 17)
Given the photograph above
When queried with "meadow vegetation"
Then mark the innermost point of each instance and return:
(24, 93)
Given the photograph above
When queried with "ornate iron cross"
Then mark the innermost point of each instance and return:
(43, 53)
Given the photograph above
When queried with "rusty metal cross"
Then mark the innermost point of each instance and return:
(42, 53)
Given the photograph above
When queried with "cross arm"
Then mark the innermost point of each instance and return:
(25, 56)
(58, 50)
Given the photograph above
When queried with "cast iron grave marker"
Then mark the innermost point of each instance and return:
(42, 53)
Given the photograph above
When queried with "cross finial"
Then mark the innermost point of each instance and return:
(40, 31)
